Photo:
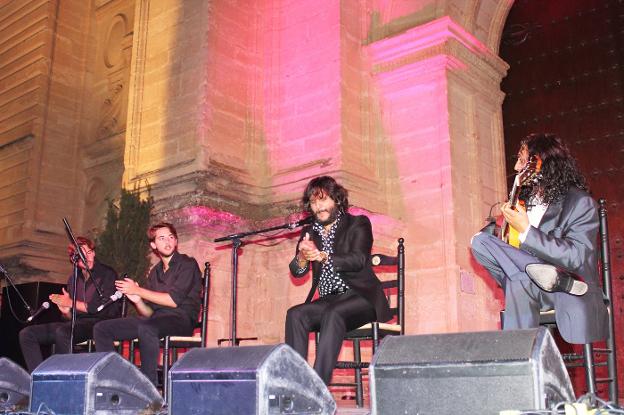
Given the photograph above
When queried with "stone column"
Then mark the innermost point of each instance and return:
(438, 90)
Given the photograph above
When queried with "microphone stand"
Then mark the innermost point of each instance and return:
(75, 259)
(77, 250)
(78, 255)
(19, 294)
(237, 242)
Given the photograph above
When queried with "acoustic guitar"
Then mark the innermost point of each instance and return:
(528, 175)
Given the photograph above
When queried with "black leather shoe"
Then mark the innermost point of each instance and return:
(552, 279)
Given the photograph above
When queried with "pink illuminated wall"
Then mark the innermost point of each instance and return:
(303, 67)
(394, 98)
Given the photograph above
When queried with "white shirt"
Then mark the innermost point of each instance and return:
(535, 213)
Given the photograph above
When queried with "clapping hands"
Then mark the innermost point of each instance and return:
(308, 250)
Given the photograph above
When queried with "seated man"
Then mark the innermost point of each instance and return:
(168, 305)
(338, 247)
(557, 235)
(87, 301)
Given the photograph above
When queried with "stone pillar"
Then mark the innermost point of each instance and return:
(195, 138)
(43, 63)
(438, 88)
(106, 107)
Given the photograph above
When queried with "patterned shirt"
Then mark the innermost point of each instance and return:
(330, 282)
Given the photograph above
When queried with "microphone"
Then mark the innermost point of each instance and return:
(40, 310)
(111, 300)
(301, 222)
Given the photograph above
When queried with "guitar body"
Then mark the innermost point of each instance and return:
(513, 237)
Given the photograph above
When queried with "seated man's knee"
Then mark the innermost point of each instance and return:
(26, 335)
(477, 239)
(61, 332)
(147, 330)
(294, 314)
(332, 319)
(100, 329)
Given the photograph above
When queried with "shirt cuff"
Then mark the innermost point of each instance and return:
(522, 236)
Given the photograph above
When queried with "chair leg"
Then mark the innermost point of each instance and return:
(590, 375)
(131, 351)
(165, 371)
(612, 370)
(375, 337)
(612, 361)
(359, 389)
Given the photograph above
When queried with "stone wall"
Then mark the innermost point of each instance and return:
(235, 106)
(65, 69)
(232, 106)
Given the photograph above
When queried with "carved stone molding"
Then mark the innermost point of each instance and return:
(115, 60)
(441, 36)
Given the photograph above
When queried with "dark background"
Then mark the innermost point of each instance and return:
(566, 76)
(11, 322)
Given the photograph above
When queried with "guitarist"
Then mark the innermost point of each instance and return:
(555, 265)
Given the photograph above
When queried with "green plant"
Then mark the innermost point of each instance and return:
(123, 244)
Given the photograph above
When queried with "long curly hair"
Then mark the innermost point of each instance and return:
(325, 186)
(559, 169)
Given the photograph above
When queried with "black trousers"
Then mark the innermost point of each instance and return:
(332, 316)
(31, 338)
(149, 331)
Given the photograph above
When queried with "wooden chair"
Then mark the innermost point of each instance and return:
(375, 331)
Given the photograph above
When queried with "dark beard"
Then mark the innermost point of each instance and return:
(333, 215)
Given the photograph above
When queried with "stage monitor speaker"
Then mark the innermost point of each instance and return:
(14, 386)
(246, 380)
(468, 373)
(93, 384)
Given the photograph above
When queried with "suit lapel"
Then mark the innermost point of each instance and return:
(340, 232)
(551, 217)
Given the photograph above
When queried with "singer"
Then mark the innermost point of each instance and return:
(87, 300)
(168, 305)
(337, 248)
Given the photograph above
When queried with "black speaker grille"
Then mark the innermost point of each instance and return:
(477, 347)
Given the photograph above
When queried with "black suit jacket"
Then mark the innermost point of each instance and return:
(352, 262)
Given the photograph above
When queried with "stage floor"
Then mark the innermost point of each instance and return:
(349, 408)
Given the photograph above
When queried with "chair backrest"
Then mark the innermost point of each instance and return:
(396, 286)
(605, 268)
(204, 308)
(605, 258)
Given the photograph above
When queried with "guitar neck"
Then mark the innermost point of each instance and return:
(513, 200)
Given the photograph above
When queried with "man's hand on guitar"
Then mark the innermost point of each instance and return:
(516, 217)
